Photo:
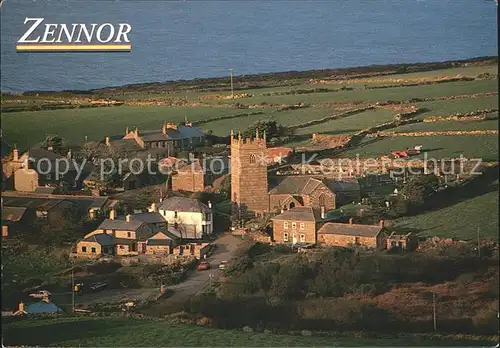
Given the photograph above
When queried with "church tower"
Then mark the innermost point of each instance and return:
(249, 173)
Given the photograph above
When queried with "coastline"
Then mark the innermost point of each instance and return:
(272, 79)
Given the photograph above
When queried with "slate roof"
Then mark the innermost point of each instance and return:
(150, 218)
(183, 204)
(158, 242)
(300, 214)
(13, 214)
(38, 153)
(350, 229)
(124, 241)
(120, 224)
(303, 185)
(101, 239)
(182, 132)
(298, 185)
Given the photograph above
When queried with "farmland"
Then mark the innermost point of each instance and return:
(294, 99)
(120, 332)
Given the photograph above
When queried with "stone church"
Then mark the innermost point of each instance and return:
(249, 173)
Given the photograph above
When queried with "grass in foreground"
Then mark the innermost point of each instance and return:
(127, 332)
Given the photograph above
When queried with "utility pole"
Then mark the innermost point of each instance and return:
(73, 289)
(232, 91)
(478, 242)
(434, 309)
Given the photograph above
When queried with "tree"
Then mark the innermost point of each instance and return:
(271, 127)
(419, 188)
(56, 144)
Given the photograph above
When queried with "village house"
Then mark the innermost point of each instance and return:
(350, 234)
(16, 220)
(404, 242)
(161, 143)
(197, 175)
(187, 218)
(298, 226)
(42, 168)
(127, 236)
(310, 191)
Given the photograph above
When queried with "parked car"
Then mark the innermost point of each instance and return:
(40, 294)
(223, 265)
(98, 286)
(106, 259)
(203, 266)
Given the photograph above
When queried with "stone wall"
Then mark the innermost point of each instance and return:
(326, 239)
(191, 181)
(308, 230)
(434, 133)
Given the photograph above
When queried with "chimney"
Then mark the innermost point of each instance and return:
(210, 204)
(350, 221)
(68, 155)
(136, 131)
(127, 131)
(15, 155)
(112, 214)
(128, 217)
(323, 215)
(381, 223)
(153, 207)
(21, 307)
(164, 128)
(257, 133)
(107, 141)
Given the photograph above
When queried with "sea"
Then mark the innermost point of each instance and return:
(188, 39)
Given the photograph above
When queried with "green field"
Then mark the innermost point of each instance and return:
(442, 146)
(450, 107)
(374, 95)
(448, 126)
(461, 219)
(126, 332)
(351, 124)
(27, 128)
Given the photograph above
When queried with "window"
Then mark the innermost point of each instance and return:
(113, 232)
(294, 225)
(48, 177)
(322, 200)
(285, 225)
(190, 140)
(356, 240)
(84, 249)
(207, 217)
(302, 226)
(104, 231)
(285, 237)
(176, 225)
(302, 238)
(175, 215)
(122, 247)
(92, 250)
(128, 234)
(252, 159)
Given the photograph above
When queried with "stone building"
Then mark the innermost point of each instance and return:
(298, 225)
(312, 191)
(404, 242)
(189, 177)
(249, 173)
(350, 234)
(161, 143)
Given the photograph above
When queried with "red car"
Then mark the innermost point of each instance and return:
(203, 266)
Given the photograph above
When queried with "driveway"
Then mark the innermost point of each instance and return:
(198, 280)
(195, 283)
